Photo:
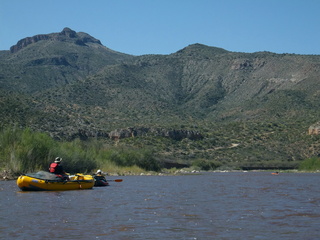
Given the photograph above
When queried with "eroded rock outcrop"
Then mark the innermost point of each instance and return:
(178, 135)
(65, 35)
(172, 133)
(314, 129)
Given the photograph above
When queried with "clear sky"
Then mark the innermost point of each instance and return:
(165, 26)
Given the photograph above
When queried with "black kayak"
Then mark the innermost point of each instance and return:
(100, 181)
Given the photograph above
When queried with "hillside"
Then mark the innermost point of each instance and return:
(53, 60)
(250, 108)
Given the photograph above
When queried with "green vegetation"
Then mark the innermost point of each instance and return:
(253, 110)
(310, 164)
(25, 151)
(122, 157)
(246, 146)
(22, 150)
(203, 164)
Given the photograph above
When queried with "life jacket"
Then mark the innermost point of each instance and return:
(100, 178)
(58, 171)
(54, 168)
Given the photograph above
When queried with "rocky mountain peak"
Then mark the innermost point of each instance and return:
(198, 49)
(66, 35)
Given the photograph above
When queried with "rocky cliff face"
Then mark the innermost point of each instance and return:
(65, 35)
(27, 41)
(173, 134)
(122, 133)
(314, 129)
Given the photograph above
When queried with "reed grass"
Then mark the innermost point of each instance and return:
(23, 150)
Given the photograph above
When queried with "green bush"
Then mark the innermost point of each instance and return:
(311, 164)
(127, 157)
(148, 161)
(34, 150)
(76, 157)
(206, 165)
(23, 150)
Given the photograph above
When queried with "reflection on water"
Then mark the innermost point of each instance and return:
(250, 205)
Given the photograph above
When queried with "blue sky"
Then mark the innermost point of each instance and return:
(165, 26)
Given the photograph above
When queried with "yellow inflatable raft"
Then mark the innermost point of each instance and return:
(43, 181)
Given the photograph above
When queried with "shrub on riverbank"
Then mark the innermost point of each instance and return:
(206, 165)
(23, 150)
(129, 157)
(311, 164)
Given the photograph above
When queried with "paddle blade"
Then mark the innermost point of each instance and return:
(115, 180)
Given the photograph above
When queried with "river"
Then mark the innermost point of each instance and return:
(231, 205)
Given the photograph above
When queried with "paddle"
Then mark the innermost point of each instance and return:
(115, 180)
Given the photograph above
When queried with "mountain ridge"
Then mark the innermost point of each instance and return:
(69, 83)
(65, 35)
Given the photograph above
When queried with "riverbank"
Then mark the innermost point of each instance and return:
(6, 175)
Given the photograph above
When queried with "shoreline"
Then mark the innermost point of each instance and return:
(6, 176)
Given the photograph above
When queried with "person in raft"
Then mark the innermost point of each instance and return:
(100, 176)
(99, 173)
(57, 169)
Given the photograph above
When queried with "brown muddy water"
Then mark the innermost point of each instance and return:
(237, 205)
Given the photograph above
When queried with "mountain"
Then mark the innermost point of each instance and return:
(45, 61)
(69, 85)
